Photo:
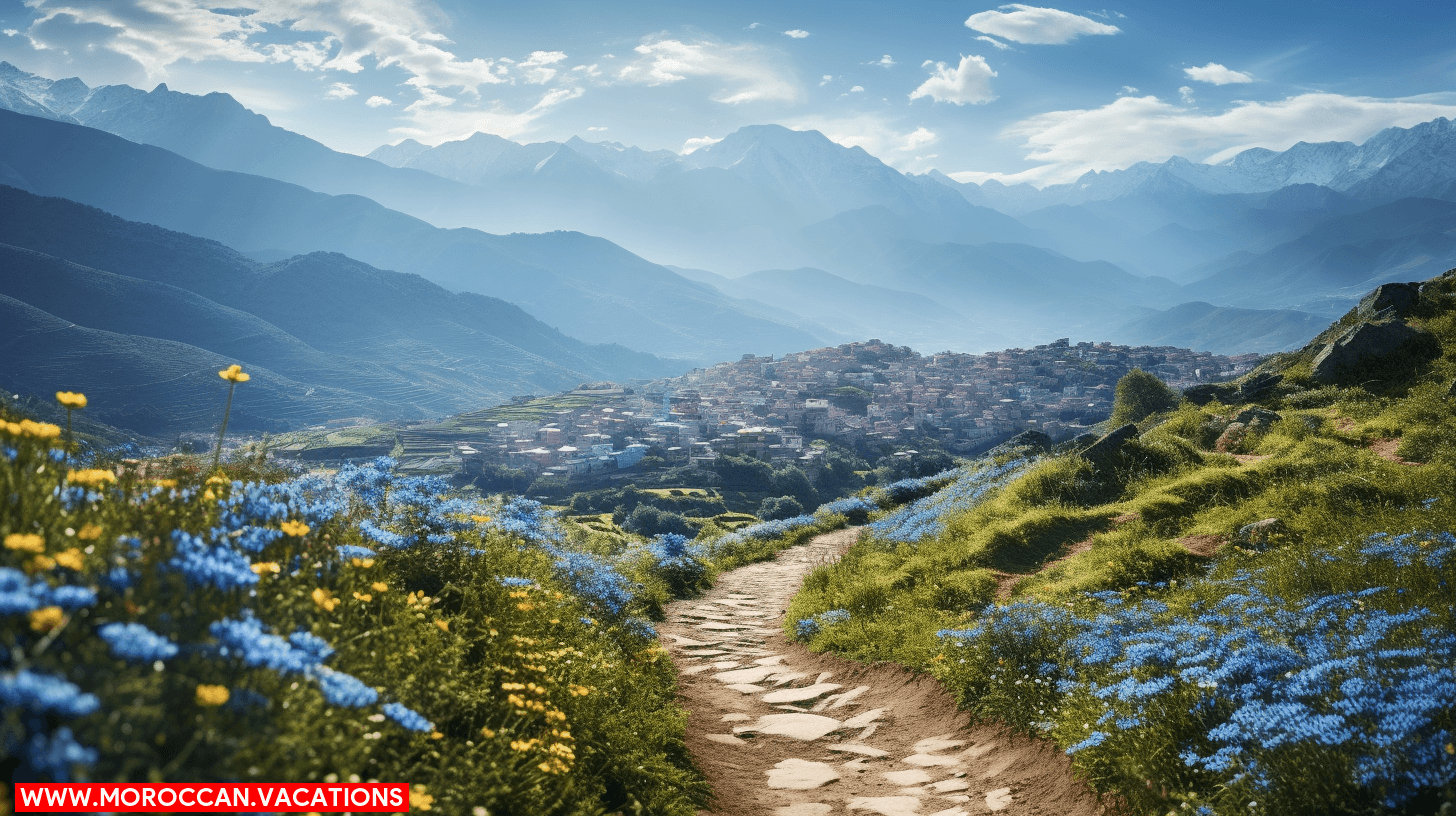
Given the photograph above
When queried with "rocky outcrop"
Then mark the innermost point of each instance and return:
(1364, 341)
(1261, 533)
(1390, 300)
(1256, 387)
(1035, 440)
(1102, 452)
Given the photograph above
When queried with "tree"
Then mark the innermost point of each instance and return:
(648, 520)
(1140, 395)
(781, 507)
(790, 480)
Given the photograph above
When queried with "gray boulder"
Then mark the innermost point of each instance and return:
(1364, 340)
(1261, 534)
(1103, 451)
(1390, 300)
(1257, 418)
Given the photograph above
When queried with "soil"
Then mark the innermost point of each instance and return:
(848, 737)
(1386, 449)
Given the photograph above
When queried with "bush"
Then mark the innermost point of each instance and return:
(778, 508)
(647, 520)
(1139, 395)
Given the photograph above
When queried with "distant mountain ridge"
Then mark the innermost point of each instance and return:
(390, 345)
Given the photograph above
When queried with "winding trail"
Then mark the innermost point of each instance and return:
(780, 731)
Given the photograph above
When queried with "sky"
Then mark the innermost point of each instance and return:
(1016, 92)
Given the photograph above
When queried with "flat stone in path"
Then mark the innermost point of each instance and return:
(852, 748)
(887, 805)
(747, 688)
(933, 744)
(950, 785)
(751, 675)
(794, 695)
(799, 726)
(911, 777)
(930, 760)
(998, 799)
(864, 718)
(726, 739)
(800, 774)
(849, 695)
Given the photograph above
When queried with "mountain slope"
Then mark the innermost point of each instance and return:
(326, 320)
(644, 306)
(1223, 329)
(155, 386)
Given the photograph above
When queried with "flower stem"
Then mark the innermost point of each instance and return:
(221, 432)
(70, 440)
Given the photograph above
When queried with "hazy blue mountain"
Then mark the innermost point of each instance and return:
(406, 345)
(864, 311)
(1222, 329)
(561, 278)
(1334, 263)
(155, 386)
(1419, 161)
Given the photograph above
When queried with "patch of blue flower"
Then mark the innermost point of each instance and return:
(953, 491)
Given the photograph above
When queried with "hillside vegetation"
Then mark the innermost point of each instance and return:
(1244, 607)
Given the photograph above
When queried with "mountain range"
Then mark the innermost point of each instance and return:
(521, 267)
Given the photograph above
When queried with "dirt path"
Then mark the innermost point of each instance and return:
(780, 731)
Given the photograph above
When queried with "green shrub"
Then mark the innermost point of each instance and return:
(1139, 395)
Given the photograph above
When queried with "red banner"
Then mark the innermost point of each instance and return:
(219, 797)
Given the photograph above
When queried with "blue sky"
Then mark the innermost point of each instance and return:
(1025, 92)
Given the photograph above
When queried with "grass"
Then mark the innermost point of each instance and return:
(1045, 603)
(376, 628)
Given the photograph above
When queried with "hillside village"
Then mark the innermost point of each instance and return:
(859, 394)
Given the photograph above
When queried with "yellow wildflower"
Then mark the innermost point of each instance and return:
(480, 519)
(90, 532)
(40, 563)
(434, 735)
(71, 399)
(39, 430)
(91, 478)
(364, 563)
(212, 696)
(266, 567)
(325, 599)
(297, 529)
(234, 373)
(366, 598)
(525, 607)
(379, 586)
(47, 618)
(580, 691)
(443, 625)
(165, 482)
(70, 559)
(25, 542)
(218, 479)
(419, 799)
(487, 733)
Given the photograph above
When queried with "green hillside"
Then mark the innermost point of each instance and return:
(1239, 602)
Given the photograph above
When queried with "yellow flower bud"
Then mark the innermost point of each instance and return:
(71, 399)
(212, 696)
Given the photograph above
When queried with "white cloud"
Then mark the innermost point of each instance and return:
(917, 139)
(748, 74)
(828, 78)
(537, 67)
(968, 83)
(857, 89)
(435, 118)
(595, 129)
(589, 71)
(693, 144)
(11, 32)
(377, 102)
(1186, 94)
(755, 25)
(340, 90)
(1217, 74)
(796, 33)
(992, 40)
(334, 35)
(883, 62)
(1035, 25)
(1133, 129)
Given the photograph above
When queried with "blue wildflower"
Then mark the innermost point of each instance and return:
(137, 643)
(408, 718)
